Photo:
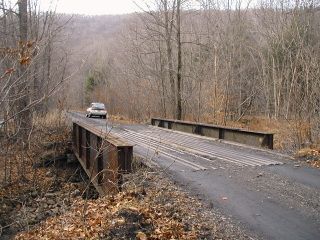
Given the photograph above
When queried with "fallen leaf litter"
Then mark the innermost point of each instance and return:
(163, 212)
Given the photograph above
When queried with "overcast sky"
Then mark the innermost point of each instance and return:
(96, 7)
(91, 7)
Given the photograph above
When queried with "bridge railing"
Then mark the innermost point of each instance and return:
(258, 139)
(104, 157)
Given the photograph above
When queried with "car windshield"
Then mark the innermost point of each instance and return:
(98, 105)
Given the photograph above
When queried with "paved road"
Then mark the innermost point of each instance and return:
(266, 193)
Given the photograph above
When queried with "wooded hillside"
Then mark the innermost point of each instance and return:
(212, 63)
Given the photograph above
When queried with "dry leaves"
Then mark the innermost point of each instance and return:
(307, 152)
(141, 236)
(163, 213)
(312, 154)
(25, 61)
(10, 70)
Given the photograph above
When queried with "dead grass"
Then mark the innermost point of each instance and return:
(19, 174)
(123, 120)
(311, 156)
(18, 162)
(289, 135)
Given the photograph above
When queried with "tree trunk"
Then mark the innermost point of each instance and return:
(168, 35)
(179, 77)
(23, 120)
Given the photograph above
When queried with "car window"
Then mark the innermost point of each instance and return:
(99, 105)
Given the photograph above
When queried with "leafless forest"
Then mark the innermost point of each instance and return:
(205, 61)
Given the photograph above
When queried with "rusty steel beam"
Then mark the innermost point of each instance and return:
(104, 157)
(258, 139)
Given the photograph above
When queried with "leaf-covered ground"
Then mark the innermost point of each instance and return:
(155, 209)
(159, 210)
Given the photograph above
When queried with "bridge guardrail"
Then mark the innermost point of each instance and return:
(102, 156)
(258, 139)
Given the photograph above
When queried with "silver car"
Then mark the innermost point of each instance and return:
(97, 109)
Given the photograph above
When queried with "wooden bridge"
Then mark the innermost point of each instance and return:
(104, 157)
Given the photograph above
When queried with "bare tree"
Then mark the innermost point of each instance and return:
(25, 83)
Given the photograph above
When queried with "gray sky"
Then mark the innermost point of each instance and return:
(91, 7)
